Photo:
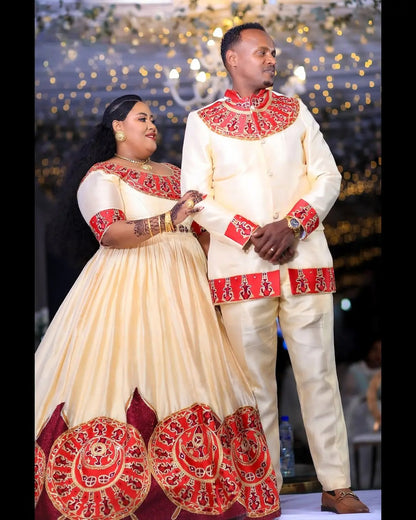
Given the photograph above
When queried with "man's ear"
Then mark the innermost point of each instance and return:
(231, 58)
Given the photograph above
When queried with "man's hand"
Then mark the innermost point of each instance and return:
(274, 242)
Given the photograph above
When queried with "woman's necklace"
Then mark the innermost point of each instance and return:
(145, 164)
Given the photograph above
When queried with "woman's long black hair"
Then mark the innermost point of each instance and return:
(68, 235)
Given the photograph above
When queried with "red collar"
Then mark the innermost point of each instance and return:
(258, 100)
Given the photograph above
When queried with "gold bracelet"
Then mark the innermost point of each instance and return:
(168, 222)
(150, 227)
(158, 221)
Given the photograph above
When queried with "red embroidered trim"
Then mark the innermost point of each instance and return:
(308, 281)
(245, 287)
(242, 433)
(98, 469)
(240, 229)
(190, 463)
(100, 222)
(232, 116)
(167, 187)
(308, 217)
(194, 457)
(263, 285)
(101, 469)
(40, 466)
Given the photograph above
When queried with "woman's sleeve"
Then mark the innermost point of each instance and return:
(100, 201)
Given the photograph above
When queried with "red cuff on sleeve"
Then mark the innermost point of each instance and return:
(240, 229)
(100, 222)
(307, 216)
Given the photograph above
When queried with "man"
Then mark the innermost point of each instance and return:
(271, 180)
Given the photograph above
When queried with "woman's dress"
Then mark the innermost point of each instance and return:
(142, 410)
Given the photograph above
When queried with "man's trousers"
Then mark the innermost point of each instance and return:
(306, 322)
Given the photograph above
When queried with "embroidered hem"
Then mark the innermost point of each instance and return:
(267, 285)
(191, 461)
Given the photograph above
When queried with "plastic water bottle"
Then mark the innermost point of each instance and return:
(287, 455)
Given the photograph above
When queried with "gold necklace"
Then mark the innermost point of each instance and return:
(145, 164)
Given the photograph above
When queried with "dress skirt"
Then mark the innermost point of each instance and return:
(142, 410)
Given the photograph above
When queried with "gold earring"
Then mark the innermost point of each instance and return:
(120, 136)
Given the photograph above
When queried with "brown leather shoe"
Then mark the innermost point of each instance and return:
(342, 501)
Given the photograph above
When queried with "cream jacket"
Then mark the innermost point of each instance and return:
(258, 160)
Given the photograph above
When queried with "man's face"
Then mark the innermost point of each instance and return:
(253, 59)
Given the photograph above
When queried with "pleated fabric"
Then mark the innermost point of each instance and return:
(128, 322)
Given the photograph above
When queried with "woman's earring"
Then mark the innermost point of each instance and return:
(120, 136)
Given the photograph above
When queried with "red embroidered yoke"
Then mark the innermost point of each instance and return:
(250, 118)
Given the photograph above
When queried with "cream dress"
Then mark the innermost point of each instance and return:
(141, 408)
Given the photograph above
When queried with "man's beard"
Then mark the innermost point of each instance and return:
(268, 84)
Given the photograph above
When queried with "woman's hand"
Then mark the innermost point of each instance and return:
(185, 206)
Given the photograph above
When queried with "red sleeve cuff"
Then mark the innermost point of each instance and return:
(306, 215)
(100, 222)
(240, 229)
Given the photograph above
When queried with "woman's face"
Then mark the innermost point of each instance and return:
(140, 130)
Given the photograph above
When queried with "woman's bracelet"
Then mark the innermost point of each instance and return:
(168, 222)
(150, 227)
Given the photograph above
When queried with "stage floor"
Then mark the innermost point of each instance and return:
(307, 506)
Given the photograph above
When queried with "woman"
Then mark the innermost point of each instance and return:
(142, 410)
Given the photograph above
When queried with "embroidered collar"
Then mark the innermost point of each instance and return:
(257, 101)
(167, 187)
(252, 118)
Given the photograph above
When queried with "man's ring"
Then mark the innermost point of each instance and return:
(272, 250)
(190, 203)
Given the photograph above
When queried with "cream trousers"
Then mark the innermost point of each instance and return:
(307, 325)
